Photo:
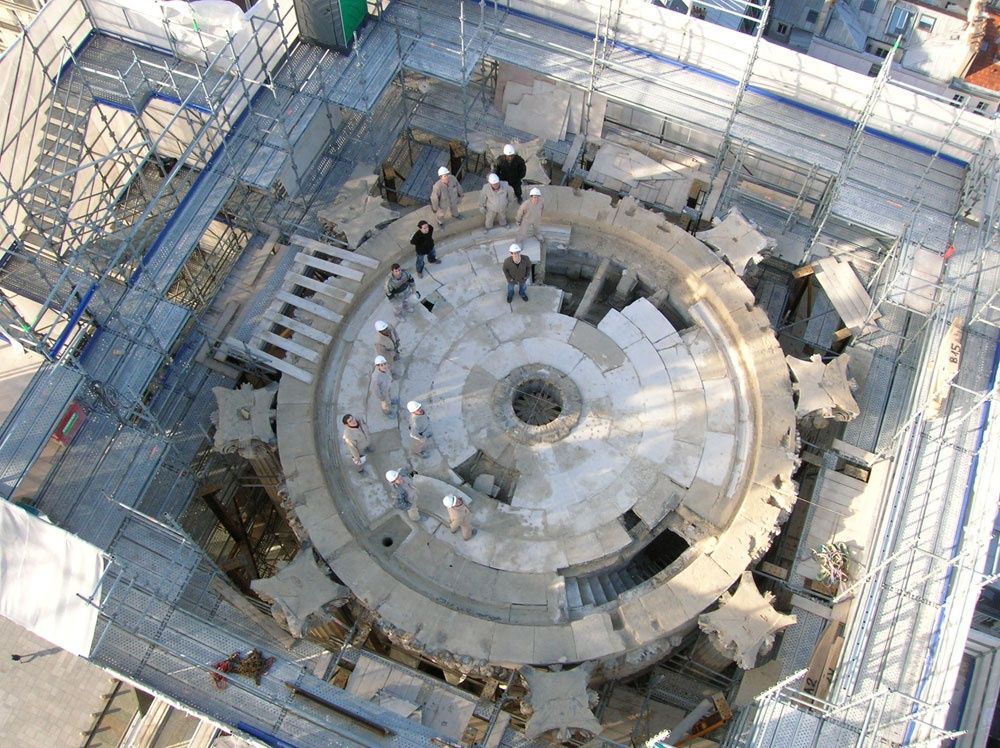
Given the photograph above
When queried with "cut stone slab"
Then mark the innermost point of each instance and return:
(649, 319)
(737, 239)
(629, 166)
(544, 114)
(620, 329)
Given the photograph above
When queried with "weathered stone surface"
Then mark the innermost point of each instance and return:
(668, 425)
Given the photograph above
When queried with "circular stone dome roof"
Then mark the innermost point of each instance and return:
(621, 475)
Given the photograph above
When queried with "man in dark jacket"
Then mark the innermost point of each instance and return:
(423, 243)
(511, 169)
(517, 271)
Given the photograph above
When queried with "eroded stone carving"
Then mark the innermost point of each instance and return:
(559, 702)
(744, 624)
(301, 594)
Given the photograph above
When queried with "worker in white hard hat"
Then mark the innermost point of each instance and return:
(445, 194)
(357, 439)
(420, 429)
(495, 199)
(511, 169)
(380, 387)
(529, 216)
(459, 515)
(517, 271)
(387, 342)
(404, 493)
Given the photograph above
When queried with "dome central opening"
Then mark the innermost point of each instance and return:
(537, 402)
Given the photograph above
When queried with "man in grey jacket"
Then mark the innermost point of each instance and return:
(380, 387)
(420, 429)
(386, 342)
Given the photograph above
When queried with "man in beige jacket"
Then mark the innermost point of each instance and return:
(446, 193)
(459, 516)
(529, 216)
(495, 199)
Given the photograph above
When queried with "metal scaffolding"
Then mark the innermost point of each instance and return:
(142, 160)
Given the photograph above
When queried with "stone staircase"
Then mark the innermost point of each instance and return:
(319, 284)
(605, 586)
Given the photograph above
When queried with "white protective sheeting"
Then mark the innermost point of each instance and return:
(43, 572)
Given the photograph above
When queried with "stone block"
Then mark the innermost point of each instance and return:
(472, 637)
(595, 637)
(650, 320)
(656, 502)
(553, 644)
(683, 462)
(717, 458)
(705, 351)
(640, 626)
(512, 645)
(522, 588)
(657, 445)
(510, 327)
(620, 329)
(708, 502)
(597, 346)
(681, 368)
(721, 413)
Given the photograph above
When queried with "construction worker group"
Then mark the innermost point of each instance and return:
(500, 199)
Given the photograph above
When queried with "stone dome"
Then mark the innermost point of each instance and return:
(622, 472)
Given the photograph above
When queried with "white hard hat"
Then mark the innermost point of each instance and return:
(443, 170)
(379, 360)
(391, 475)
(450, 500)
(413, 406)
(493, 179)
(381, 325)
(515, 248)
(508, 150)
(535, 192)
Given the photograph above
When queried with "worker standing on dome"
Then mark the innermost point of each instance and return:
(529, 216)
(446, 193)
(357, 440)
(517, 271)
(495, 199)
(380, 386)
(420, 429)
(404, 493)
(399, 287)
(459, 516)
(387, 342)
(511, 169)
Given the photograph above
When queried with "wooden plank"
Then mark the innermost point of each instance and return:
(290, 346)
(307, 306)
(340, 254)
(295, 326)
(319, 287)
(845, 291)
(304, 258)
(274, 362)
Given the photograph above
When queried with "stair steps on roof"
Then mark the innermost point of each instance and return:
(318, 284)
